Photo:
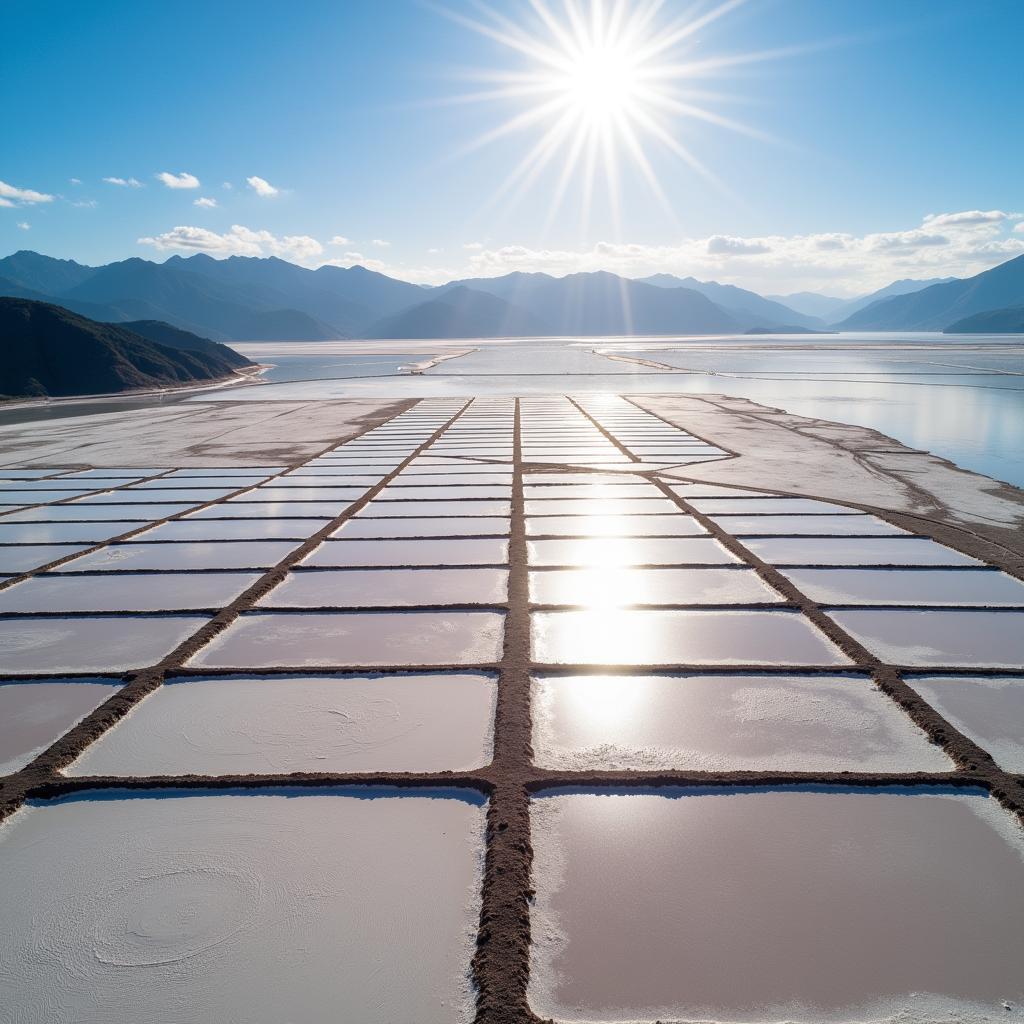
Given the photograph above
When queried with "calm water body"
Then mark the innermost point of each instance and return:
(961, 398)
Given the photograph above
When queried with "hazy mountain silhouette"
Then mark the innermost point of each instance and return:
(936, 307)
(995, 321)
(459, 312)
(789, 329)
(832, 309)
(905, 286)
(48, 350)
(747, 307)
(810, 303)
(603, 303)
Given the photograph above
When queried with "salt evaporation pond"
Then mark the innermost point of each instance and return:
(185, 909)
(797, 905)
(277, 724)
(725, 723)
(34, 714)
(988, 709)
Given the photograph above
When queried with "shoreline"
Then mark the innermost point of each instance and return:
(244, 379)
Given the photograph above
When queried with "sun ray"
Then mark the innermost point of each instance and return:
(602, 82)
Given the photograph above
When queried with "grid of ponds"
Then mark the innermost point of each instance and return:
(501, 622)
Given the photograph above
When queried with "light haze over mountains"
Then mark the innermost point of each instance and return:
(255, 298)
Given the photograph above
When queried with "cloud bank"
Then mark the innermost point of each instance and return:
(956, 244)
(239, 241)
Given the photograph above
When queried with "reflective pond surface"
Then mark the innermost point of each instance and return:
(776, 905)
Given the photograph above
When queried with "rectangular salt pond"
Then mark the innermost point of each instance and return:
(616, 587)
(266, 640)
(226, 726)
(341, 495)
(725, 723)
(26, 557)
(450, 493)
(856, 526)
(35, 714)
(678, 525)
(185, 555)
(988, 709)
(614, 551)
(590, 491)
(195, 495)
(63, 533)
(235, 529)
(809, 906)
(145, 592)
(359, 528)
(855, 551)
(21, 497)
(387, 509)
(323, 510)
(77, 512)
(964, 587)
(599, 506)
(290, 905)
(936, 638)
(645, 637)
(449, 551)
(90, 644)
(396, 588)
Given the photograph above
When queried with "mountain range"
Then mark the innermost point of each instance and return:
(255, 298)
(936, 307)
(49, 350)
(834, 310)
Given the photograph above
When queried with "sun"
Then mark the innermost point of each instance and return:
(601, 83)
(596, 84)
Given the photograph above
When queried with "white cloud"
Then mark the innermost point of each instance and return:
(1020, 227)
(262, 187)
(75, 181)
(5, 202)
(906, 240)
(205, 202)
(183, 180)
(239, 241)
(24, 225)
(340, 240)
(22, 196)
(380, 243)
(965, 217)
(736, 246)
(89, 204)
(227, 185)
(434, 252)
(473, 246)
(135, 183)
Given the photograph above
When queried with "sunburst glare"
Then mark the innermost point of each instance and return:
(598, 83)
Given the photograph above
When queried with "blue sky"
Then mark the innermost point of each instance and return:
(882, 114)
